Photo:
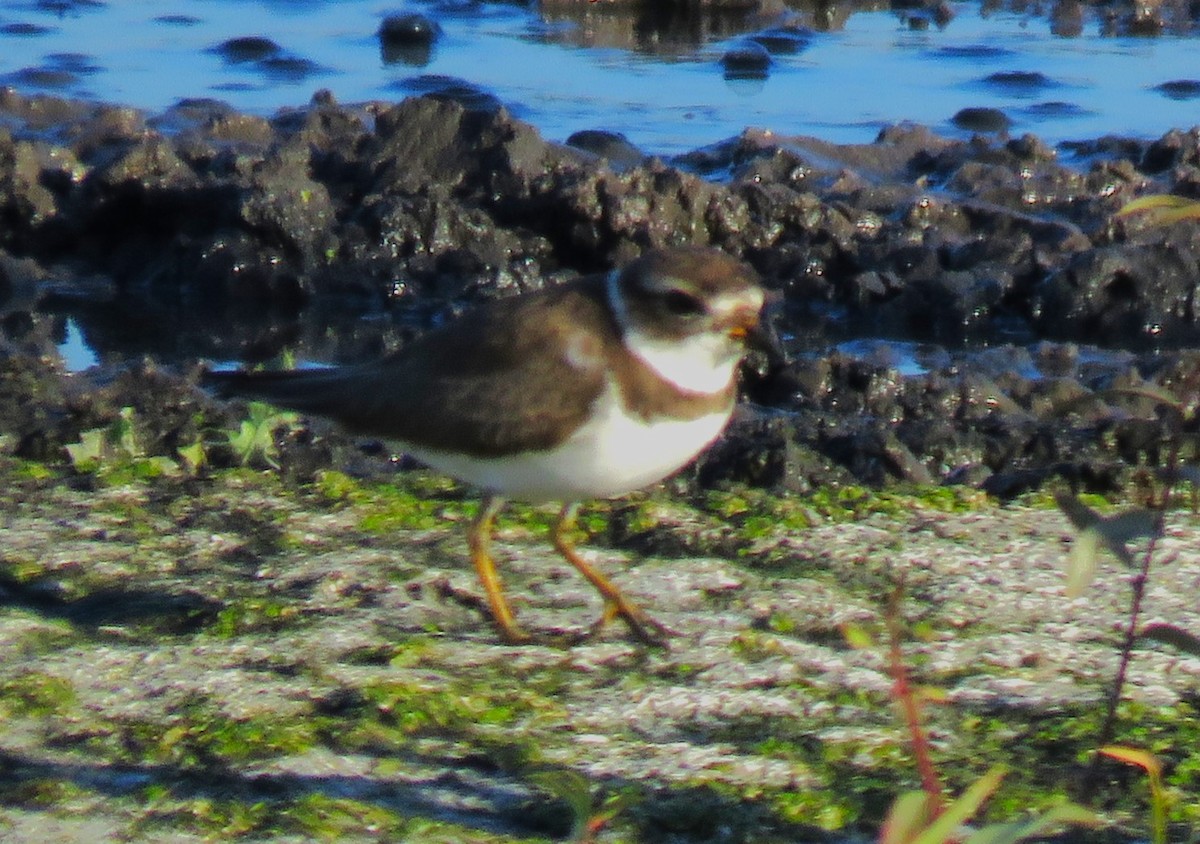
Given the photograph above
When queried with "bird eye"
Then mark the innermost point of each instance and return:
(682, 304)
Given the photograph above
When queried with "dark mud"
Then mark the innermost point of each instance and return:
(212, 652)
(336, 232)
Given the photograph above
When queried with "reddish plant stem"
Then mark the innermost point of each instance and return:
(1108, 728)
(903, 691)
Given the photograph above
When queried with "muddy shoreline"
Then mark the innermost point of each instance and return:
(212, 650)
(237, 655)
(337, 232)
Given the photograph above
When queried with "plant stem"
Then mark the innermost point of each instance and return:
(906, 696)
(1109, 727)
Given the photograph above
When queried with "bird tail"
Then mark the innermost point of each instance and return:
(305, 390)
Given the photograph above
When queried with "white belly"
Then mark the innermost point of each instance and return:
(612, 454)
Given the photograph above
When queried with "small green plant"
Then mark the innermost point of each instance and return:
(193, 457)
(916, 818)
(590, 813)
(1158, 792)
(116, 449)
(255, 437)
(1116, 533)
(926, 816)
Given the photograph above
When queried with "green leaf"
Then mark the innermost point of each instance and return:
(193, 456)
(255, 437)
(1155, 200)
(1113, 533)
(1149, 763)
(1079, 514)
(1036, 827)
(857, 637)
(573, 789)
(1171, 635)
(1151, 392)
(947, 825)
(1082, 562)
(1162, 208)
(931, 694)
(907, 816)
(1134, 756)
(1128, 526)
(121, 434)
(154, 467)
(86, 454)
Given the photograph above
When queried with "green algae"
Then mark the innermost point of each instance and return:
(405, 697)
(36, 694)
(197, 734)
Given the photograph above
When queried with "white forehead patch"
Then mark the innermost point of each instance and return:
(727, 304)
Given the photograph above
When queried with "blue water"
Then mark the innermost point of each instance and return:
(77, 355)
(843, 87)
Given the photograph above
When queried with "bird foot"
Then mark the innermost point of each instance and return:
(513, 635)
(645, 629)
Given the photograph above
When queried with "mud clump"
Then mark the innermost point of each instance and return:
(428, 196)
(202, 232)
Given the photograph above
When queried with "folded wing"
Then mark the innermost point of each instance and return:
(497, 381)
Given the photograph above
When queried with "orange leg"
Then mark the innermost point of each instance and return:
(479, 537)
(644, 628)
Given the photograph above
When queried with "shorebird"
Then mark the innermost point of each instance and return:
(590, 389)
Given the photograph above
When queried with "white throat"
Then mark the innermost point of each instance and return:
(702, 363)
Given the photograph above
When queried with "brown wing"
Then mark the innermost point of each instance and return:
(495, 381)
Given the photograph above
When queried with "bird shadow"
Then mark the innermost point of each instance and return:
(485, 801)
(163, 610)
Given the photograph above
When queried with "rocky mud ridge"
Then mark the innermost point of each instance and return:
(205, 233)
(207, 651)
